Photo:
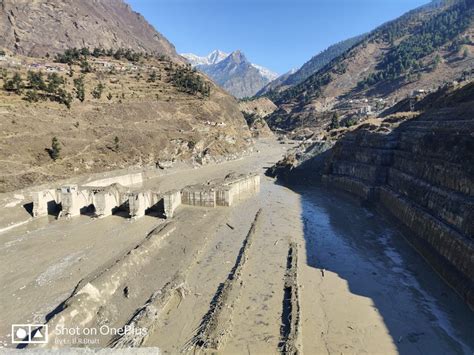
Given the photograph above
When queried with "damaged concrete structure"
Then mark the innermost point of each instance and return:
(236, 189)
(75, 199)
(199, 195)
(222, 192)
(106, 200)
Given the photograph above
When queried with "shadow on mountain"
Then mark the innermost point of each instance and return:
(420, 170)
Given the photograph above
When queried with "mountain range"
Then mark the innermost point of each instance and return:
(233, 72)
(417, 52)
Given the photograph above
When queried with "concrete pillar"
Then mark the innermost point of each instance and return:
(136, 204)
(105, 202)
(171, 201)
(41, 199)
(139, 202)
(73, 200)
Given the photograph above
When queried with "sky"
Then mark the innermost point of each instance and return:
(277, 34)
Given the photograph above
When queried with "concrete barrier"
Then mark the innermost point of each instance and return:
(74, 198)
(222, 192)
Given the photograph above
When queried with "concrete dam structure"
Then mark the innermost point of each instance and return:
(74, 200)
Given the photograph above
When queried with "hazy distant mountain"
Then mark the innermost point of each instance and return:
(233, 72)
(311, 66)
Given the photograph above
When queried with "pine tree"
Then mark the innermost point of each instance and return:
(97, 92)
(36, 80)
(334, 121)
(55, 148)
(79, 87)
(15, 84)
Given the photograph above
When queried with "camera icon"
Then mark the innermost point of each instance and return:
(29, 333)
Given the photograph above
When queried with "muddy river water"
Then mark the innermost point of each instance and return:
(420, 312)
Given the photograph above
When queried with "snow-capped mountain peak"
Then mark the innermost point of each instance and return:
(266, 73)
(216, 56)
(233, 71)
(212, 58)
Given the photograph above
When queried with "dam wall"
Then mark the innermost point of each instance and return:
(421, 173)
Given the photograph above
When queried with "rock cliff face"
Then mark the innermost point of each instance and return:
(35, 28)
(420, 171)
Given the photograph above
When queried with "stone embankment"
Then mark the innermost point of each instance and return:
(421, 172)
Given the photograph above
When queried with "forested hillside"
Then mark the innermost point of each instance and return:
(421, 50)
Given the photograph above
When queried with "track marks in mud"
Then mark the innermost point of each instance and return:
(290, 317)
(147, 316)
(216, 324)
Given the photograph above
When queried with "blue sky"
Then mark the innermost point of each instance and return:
(278, 34)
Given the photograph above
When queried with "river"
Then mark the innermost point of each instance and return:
(420, 312)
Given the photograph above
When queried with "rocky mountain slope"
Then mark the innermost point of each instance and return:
(310, 67)
(35, 28)
(233, 72)
(123, 99)
(261, 106)
(421, 50)
(120, 114)
(255, 112)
